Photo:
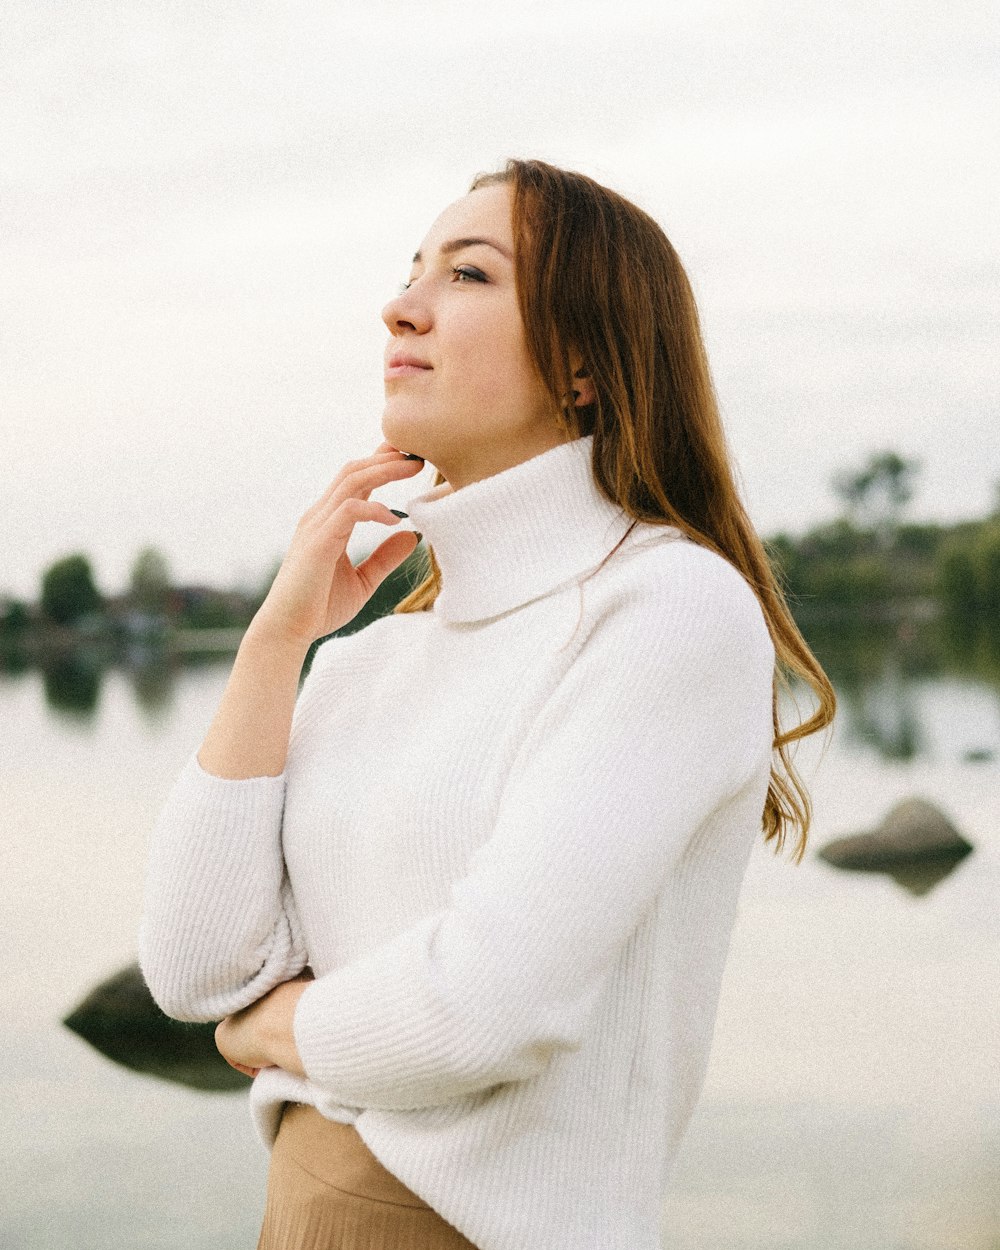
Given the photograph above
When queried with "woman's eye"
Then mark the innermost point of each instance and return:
(467, 271)
(462, 273)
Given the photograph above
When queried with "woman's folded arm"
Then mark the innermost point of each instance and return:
(219, 927)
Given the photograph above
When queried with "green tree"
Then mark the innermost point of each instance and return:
(968, 571)
(68, 590)
(149, 581)
(878, 492)
(986, 563)
(956, 579)
(14, 618)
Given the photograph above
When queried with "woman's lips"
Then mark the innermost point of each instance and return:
(405, 370)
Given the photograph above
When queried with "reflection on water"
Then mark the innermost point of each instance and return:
(877, 669)
(884, 714)
(920, 879)
(73, 677)
(919, 876)
(73, 683)
(153, 683)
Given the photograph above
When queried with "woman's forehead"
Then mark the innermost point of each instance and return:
(484, 212)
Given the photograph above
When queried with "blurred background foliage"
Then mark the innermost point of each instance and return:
(864, 583)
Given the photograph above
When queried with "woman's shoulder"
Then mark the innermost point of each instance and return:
(662, 560)
(666, 576)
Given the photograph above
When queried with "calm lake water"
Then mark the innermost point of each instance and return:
(852, 1101)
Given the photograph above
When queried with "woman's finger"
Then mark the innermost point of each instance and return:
(373, 570)
(360, 481)
(316, 588)
(352, 467)
(241, 1067)
(333, 528)
(385, 453)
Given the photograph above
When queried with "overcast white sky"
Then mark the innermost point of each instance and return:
(205, 207)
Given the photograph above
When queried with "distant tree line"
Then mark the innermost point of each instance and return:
(70, 601)
(71, 607)
(869, 559)
(969, 571)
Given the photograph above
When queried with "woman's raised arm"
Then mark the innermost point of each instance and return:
(219, 928)
(316, 591)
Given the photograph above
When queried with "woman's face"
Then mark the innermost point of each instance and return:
(460, 387)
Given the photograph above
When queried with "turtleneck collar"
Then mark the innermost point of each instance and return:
(512, 537)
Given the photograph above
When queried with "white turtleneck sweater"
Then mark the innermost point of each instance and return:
(509, 840)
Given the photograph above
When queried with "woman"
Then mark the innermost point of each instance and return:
(465, 903)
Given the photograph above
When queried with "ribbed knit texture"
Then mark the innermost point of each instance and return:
(509, 840)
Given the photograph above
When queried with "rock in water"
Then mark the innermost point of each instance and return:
(120, 1019)
(915, 834)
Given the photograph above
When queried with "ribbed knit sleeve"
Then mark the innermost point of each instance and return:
(660, 717)
(219, 926)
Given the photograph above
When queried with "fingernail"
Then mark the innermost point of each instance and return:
(396, 512)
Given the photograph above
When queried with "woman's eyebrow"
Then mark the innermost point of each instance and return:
(456, 245)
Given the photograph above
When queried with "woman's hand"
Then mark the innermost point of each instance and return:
(260, 1036)
(317, 589)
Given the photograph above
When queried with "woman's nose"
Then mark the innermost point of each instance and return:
(405, 312)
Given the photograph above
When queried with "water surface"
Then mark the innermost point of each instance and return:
(852, 1100)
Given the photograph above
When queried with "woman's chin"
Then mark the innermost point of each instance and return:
(402, 428)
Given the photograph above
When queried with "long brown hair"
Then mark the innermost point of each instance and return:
(597, 276)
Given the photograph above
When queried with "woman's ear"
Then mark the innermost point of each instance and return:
(584, 392)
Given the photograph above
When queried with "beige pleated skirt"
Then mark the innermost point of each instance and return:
(327, 1191)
